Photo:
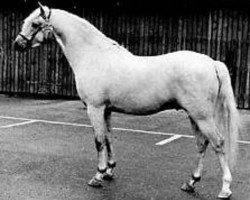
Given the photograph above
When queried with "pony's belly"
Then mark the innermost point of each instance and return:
(145, 109)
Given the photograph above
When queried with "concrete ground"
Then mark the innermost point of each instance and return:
(47, 152)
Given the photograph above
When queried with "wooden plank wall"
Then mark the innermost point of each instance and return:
(221, 34)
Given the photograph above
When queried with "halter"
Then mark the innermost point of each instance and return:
(44, 26)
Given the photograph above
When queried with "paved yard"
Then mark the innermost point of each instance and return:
(47, 152)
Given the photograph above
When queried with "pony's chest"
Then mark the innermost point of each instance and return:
(91, 89)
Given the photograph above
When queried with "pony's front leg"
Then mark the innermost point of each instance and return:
(109, 175)
(96, 116)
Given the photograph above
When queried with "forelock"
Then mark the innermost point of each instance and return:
(34, 15)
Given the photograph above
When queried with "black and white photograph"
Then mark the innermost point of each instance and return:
(125, 100)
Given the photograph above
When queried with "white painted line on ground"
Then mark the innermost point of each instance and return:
(18, 124)
(168, 140)
(47, 121)
(244, 142)
(17, 118)
(65, 123)
(148, 132)
(119, 129)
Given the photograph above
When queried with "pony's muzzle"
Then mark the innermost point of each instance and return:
(20, 44)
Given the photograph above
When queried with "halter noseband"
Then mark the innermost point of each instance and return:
(41, 27)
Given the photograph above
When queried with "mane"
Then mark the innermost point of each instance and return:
(91, 27)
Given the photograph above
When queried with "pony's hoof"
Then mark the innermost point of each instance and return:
(108, 177)
(187, 188)
(225, 194)
(94, 182)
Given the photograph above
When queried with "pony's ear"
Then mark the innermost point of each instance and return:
(41, 9)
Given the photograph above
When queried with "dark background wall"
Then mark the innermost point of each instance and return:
(220, 29)
(132, 5)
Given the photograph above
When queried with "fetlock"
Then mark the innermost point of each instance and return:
(97, 180)
(109, 174)
(189, 186)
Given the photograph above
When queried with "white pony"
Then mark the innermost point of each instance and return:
(110, 78)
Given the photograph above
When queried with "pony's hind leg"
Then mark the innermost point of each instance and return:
(218, 143)
(96, 115)
(208, 128)
(109, 174)
(201, 143)
(225, 192)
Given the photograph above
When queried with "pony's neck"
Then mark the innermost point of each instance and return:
(77, 37)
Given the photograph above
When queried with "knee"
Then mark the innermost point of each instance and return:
(99, 144)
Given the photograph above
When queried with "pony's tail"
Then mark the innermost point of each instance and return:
(226, 113)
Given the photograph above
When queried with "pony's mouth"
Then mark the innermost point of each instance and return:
(20, 46)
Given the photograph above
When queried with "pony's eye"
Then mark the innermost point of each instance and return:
(35, 25)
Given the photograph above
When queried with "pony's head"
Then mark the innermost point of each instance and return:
(35, 30)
